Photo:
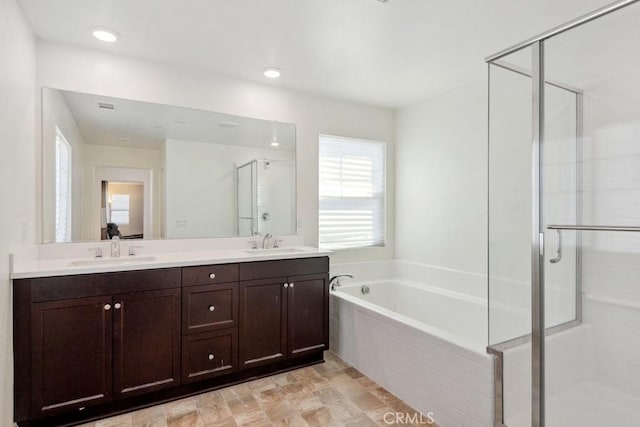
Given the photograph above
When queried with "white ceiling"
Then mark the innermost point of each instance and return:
(389, 54)
(144, 125)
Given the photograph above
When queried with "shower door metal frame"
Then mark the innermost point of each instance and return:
(538, 332)
(537, 242)
(497, 349)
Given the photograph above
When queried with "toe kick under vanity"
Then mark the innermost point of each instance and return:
(89, 345)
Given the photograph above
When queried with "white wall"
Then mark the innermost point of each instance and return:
(17, 174)
(59, 116)
(201, 188)
(90, 71)
(441, 185)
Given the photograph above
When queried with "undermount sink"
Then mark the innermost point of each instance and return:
(275, 251)
(112, 261)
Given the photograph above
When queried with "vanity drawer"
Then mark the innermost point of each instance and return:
(283, 268)
(209, 307)
(209, 354)
(206, 274)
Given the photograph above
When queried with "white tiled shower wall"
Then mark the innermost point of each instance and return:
(611, 261)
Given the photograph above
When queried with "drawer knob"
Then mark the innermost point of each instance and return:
(286, 285)
(211, 356)
(107, 307)
(211, 308)
(117, 306)
(212, 275)
(291, 285)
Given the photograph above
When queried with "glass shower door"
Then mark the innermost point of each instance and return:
(592, 371)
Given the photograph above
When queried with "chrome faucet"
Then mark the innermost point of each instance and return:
(132, 250)
(97, 252)
(115, 247)
(265, 240)
(335, 280)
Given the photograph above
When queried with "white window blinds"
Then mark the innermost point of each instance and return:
(352, 175)
(63, 188)
(120, 209)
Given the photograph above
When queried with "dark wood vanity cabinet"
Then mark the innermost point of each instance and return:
(89, 339)
(283, 316)
(110, 341)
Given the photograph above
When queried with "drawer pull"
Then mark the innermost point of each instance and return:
(212, 275)
(211, 308)
(107, 307)
(291, 285)
(117, 306)
(211, 356)
(286, 285)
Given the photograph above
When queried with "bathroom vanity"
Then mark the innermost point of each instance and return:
(104, 342)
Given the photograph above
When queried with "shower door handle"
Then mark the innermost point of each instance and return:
(558, 256)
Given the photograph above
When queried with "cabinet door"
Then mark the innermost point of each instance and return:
(263, 333)
(71, 345)
(308, 314)
(146, 341)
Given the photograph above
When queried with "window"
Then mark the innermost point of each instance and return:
(63, 188)
(119, 212)
(352, 175)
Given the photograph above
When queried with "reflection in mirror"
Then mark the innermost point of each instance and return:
(117, 167)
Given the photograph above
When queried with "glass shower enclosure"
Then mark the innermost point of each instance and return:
(564, 223)
(265, 197)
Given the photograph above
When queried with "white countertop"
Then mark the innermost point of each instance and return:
(30, 265)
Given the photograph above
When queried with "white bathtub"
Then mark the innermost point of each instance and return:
(423, 343)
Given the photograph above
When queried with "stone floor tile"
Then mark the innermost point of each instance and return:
(150, 417)
(117, 421)
(214, 412)
(293, 421)
(243, 405)
(342, 409)
(252, 419)
(353, 373)
(234, 392)
(329, 394)
(187, 419)
(317, 417)
(366, 401)
(225, 422)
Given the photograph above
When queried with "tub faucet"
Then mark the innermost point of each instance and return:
(335, 280)
(115, 247)
(265, 240)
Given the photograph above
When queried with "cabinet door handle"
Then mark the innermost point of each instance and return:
(211, 308)
(286, 285)
(117, 306)
(212, 275)
(107, 307)
(211, 356)
(291, 285)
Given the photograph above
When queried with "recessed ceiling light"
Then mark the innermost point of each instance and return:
(105, 34)
(274, 143)
(272, 72)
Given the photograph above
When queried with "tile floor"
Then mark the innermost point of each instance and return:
(329, 394)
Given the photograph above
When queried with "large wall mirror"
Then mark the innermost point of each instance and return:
(148, 171)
